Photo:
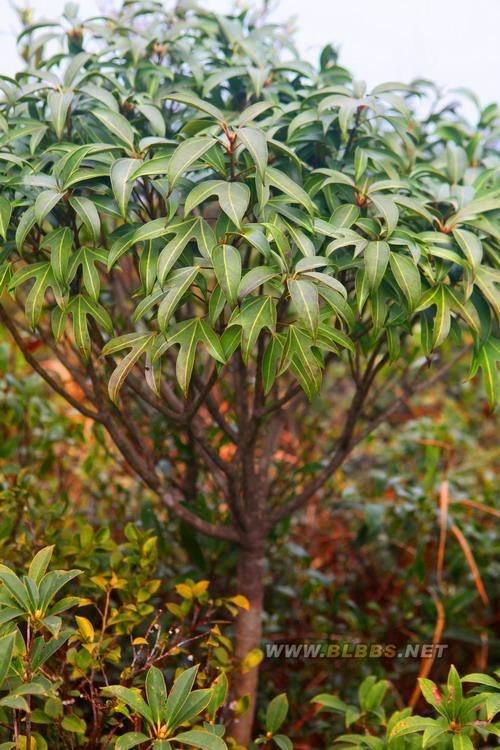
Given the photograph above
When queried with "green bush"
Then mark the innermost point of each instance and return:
(459, 720)
(57, 672)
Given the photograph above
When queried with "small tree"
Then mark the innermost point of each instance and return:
(200, 227)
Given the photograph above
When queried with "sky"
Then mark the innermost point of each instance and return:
(453, 42)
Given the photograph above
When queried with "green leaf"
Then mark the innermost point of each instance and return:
(210, 339)
(36, 296)
(330, 701)
(462, 742)
(388, 209)
(478, 678)
(53, 582)
(117, 125)
(156, 693)
(60, 243)
(226, 260)
(304, 296)
(154, 116)
(40, 563)
(59, 103)
(73, 723)
(271, 361)
(298, 355)
(465, 309)
(456, 161)
(129, 740)
(218, 693)
(196, 702)
(186, 97)
(376, 259)
(234, 198)
(141, 345)
(184, 232)
(431, 693)
(411, 725)
(155, 166)
(7, 614)
(149, 231)
(255, 314)
(18, 703)
(148, 266)
(179, 694)
(442, 319)
(414, 205)
(14, 587)
(486, 357)
(283, 742)
(222, 76)
(486, 279)
(431, 734)
(130, 698)
(117, 344)
(5, 214)
(24, 227)
(407, 278)
(187, 336)
(183, 281)
(324, 279)
(200, 193)
(276, 713)
(185, 155)
(202, 739)
(80, 308)
(255, 141)
(121, 182)
(6, 649)
(91, 279)
(255, 278)
(290, 188)
(43, 650)
(334, 337)
(471, 246)
(88, 214)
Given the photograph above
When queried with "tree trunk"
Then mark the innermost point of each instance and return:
(248, 635)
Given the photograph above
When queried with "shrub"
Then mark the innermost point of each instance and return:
(57, 676)
(459, 719)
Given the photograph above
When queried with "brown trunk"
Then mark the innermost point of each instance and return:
(248, 636)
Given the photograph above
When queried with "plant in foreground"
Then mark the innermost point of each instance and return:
(180, 199)
(29, 603)
(461, 719)
(53, 674)
(276, 714)
(164, 715)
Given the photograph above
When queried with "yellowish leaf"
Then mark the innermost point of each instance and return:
(184, 590)
(200, 588)
(252, 659)
(240, 601)
(86, 628)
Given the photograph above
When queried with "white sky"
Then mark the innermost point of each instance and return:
(454, 42)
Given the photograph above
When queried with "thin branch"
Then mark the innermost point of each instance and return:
(228, 533)
(348, 440)
(35, 364)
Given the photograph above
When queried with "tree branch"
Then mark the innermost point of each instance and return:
(33, 362)
(348, 440)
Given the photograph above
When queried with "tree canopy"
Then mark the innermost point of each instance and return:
(178, 186)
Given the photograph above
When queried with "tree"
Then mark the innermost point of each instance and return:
(202, 228)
